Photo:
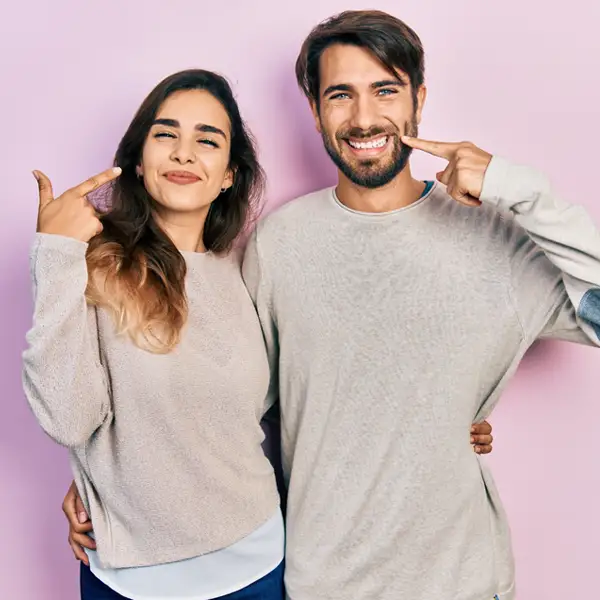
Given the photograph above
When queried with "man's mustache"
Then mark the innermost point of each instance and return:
(357, 133)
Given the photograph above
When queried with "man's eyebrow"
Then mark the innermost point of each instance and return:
(388, 82)
(339, 87)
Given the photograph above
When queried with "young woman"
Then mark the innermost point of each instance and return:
(146, 357)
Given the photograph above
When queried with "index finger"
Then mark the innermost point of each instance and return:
(70, 510)
(441, 149)
(83, 528)
(70, 506)
(483, 428)
(80, 510)
(93, 183)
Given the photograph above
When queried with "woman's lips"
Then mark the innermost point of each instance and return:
(181, 177)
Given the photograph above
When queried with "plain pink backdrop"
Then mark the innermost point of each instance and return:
(519, 78)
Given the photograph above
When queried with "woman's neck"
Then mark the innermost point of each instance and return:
(186, 230)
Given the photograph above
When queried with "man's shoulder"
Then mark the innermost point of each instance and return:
(483, 231)
(473, 220)
(295, 213)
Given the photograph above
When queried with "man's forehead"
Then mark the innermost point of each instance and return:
(344, 64)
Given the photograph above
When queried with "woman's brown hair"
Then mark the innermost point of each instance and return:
(135, 270)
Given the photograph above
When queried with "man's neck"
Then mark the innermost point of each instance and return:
(402, 191)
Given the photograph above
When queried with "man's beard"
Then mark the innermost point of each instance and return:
(372, 173)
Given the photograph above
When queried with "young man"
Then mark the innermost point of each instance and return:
(393, 307)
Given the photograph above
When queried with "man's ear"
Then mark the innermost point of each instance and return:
(314, 107)
(421, 97)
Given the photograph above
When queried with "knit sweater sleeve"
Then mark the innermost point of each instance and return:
(63, 379)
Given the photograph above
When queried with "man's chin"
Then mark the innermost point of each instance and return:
(353, 159)
(370, 172)
(368, 164)
(371, 178)
(365, 171)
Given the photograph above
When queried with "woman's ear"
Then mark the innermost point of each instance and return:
(228, 180)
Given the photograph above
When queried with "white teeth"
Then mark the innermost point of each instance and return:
(380, 143)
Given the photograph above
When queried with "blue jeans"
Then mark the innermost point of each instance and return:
(270, 587)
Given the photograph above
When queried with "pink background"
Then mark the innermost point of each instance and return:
(518, 78)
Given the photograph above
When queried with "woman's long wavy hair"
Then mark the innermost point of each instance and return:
(135, 270)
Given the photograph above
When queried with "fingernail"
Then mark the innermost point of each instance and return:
(472, 440)
(82, 517)
(473, 429)
(36, 175)
(477, 449)
(117, 170)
